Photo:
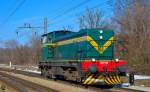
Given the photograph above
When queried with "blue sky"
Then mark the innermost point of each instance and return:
(33, 11)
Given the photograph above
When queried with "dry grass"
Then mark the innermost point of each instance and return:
(5, 88)
(145, 82)
(125, 90)
(51, 84)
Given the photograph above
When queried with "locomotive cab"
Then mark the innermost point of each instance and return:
(46, 39)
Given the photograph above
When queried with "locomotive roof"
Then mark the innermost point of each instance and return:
(65, 34)
(58, 31)
(82, 32)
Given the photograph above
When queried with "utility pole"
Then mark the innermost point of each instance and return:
(29, 26)
(45, 25)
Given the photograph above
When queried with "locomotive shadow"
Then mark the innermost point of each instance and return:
(97, 85)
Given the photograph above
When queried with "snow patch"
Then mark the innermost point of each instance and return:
(140, 77)
(32, 71)
(125, 84)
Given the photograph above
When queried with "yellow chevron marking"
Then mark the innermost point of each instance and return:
(107, 80)
(72, 40)
(100, 49)
(88, 79)
(115, 79)
(99, 78)
(66, 41)
(96, 80)
(48, 44)
(88, 74)
(90, 82)
(118, 78)
(112, 79)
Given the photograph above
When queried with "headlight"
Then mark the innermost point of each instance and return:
(93, 60)
(93, 69)
(101, 37)
(117, 60)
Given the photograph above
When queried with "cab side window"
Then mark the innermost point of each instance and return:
(44, 39)
(49, 39)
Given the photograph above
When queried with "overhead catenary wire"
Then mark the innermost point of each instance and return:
(13, 12)
(94, 7)
(55, 11)
(70, 9)
(60, 9)
(59, 16)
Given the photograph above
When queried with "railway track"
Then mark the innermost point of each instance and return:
(58, 85)
(21, 85)
(72, 85)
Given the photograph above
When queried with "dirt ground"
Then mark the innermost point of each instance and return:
(5, 88)
(145, 82)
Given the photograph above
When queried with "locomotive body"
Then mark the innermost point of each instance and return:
(86, 56)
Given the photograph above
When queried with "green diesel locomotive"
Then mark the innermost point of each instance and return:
(86, 56)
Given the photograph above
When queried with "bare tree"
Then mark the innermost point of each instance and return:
(35, 48)
(133, 17)
(27, 54)
(92, 19)
(11, 50)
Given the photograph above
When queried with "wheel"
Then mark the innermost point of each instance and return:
(51, 74)
(44, 72)
(131, 78)
(85, 85)
(79, 80)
